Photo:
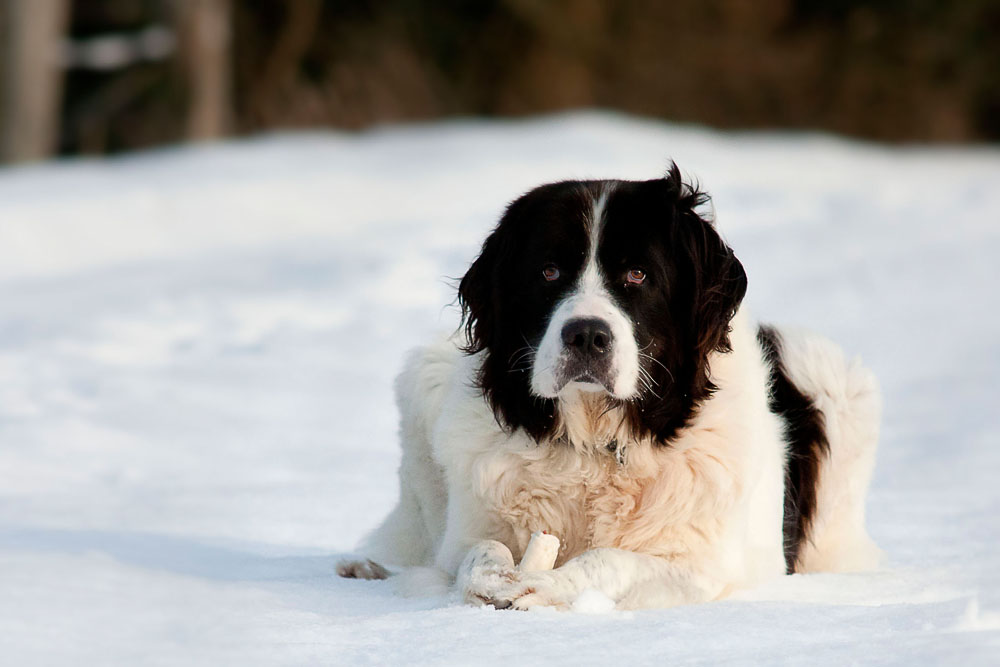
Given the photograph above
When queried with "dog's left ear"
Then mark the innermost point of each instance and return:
(723, 286)
(719, 281)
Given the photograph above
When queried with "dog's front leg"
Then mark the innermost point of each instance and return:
(632, 580)
(487, 568)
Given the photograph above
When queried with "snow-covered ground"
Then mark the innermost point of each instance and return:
(197, 347)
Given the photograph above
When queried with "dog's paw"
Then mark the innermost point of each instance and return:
(361, 569)
(538, 600)
(481, 587)
(531, 590)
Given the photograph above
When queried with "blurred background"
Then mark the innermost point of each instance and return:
(101, 76)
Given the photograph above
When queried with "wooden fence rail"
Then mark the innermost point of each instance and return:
(35, 52)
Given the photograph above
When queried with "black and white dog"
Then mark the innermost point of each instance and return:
(607, 389)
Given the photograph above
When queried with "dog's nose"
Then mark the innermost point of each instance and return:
(587, 335)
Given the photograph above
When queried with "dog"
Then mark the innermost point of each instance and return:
(607, 387)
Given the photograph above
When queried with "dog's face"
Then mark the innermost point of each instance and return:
(612, 287)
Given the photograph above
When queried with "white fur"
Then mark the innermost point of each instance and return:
(848, 395)
(646, 526)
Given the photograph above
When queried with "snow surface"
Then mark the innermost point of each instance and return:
(197, 347)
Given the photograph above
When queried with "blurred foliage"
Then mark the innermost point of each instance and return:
(887, 69)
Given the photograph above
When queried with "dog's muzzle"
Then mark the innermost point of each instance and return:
(587, 346)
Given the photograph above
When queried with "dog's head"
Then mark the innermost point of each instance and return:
(618, 288)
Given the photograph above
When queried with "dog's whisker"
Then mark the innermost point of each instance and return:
(658, 362)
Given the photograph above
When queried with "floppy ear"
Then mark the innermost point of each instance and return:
(723, 286)
(719, 281)
(483, 294)
(713, 286)
(478, 292)
(475, 296)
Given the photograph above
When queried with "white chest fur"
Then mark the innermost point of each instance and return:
(712, 496)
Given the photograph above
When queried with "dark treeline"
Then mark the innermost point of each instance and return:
(893, 70)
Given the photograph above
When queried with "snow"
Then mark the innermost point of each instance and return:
(196, 354)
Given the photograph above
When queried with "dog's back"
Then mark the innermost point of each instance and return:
(827, 480)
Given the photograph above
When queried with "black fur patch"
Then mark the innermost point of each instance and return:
(805, 432)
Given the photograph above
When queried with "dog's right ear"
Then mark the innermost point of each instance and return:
(475, 296)
(478, 292)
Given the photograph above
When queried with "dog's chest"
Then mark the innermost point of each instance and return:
(587, 501)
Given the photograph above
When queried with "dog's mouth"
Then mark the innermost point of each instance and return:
(587, 378)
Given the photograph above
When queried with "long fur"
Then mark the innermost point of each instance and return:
(699, 456)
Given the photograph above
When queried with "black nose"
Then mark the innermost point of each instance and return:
(588, 335)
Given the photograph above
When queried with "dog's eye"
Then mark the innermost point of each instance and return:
(636, 276)
(550, 272)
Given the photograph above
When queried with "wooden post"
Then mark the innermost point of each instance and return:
(32, 78)
(205, 32)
